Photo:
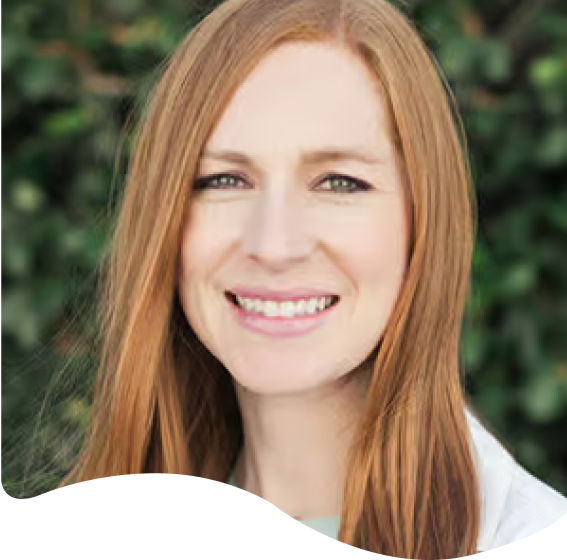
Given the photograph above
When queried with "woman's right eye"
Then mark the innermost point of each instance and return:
(219, 181)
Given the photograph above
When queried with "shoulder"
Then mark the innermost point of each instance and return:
(515, 504)
(531, 506)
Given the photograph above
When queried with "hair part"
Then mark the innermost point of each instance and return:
(164, 403)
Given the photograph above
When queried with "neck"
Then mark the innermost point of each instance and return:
(295, 446)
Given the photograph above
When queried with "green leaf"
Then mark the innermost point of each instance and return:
(496, 61)
(542, 397)
(19, 318)
(547, 72)
(16, 258)
(518, 280)
(67, 122)
(552, 149)
(13, 47)
(27, 196)
(556, 213)
(474, 348)
(40, 77)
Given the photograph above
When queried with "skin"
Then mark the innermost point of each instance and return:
(283, 225)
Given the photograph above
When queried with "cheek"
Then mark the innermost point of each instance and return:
(196, 260)
(373, 247)
(205, 239)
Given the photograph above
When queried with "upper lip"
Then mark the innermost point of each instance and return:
(279, 295)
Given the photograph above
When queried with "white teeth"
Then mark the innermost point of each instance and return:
(286, 308)
(271, 309)
(300, 307)
(312, 305)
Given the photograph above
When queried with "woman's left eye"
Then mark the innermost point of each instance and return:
(343, 183)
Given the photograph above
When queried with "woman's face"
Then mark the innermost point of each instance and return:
(298, 204)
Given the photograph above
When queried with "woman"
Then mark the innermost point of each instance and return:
(287, 283)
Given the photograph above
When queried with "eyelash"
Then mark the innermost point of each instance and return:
(204, 183)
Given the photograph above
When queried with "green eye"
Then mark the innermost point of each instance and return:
(344, 185)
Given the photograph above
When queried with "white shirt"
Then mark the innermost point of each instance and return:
(515, 504)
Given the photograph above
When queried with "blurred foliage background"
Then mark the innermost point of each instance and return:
(75, 75)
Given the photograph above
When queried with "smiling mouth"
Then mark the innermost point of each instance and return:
(233, 299)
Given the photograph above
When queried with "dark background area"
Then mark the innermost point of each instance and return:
(74, 76)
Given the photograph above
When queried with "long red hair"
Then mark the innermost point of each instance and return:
(163, 403)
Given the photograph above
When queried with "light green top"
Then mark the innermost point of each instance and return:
(327, 525)
(515, 504)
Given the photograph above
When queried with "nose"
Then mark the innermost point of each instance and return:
(278, 234)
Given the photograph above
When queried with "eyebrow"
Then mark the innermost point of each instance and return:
(310, 158)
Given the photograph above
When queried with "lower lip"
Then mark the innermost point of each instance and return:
(281, 326)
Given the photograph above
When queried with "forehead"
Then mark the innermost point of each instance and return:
(301, 96)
